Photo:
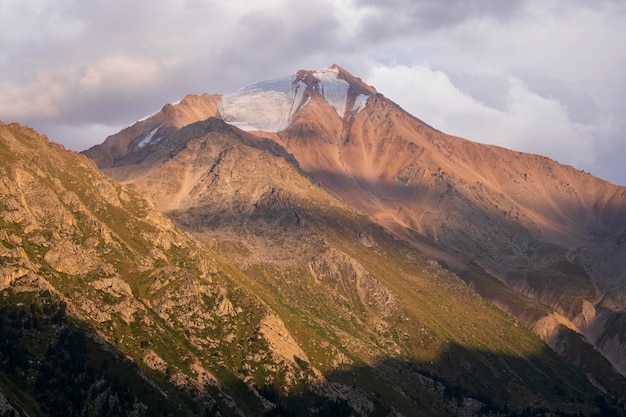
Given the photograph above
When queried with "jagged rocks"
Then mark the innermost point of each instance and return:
(113, 286)
(69, 258)
(280, 341)
(9, 274)
(223, 306)
(154, 361)
(91, 310)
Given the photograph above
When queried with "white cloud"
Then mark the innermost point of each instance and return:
(118, 72)
(529, 122)
(39, 98)
(52, 93)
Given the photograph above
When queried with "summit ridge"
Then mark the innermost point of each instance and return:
(270, 106)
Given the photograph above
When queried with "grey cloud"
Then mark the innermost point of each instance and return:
(581, 106)
(490, 89)
(436, 13)
(191, 47)
(417, 17)
(612, 167)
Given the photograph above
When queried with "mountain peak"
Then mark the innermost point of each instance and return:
(337, 72)
(271, 105)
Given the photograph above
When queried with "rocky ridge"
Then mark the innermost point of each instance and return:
(549, 232)
(213, 322)
(117, 265)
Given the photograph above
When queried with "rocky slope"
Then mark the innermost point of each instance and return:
(548, 232)
(99, 288)
(287, 301)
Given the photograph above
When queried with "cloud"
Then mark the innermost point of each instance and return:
(75, 135)
(146, 51)
(565, 58)
(527, 122)
(409, 16)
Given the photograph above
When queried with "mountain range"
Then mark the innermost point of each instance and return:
(304, 246)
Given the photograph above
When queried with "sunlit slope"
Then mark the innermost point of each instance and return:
(356, 300)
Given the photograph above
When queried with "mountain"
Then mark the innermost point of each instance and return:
(95, 285)
(541, 241)
(290, 272)
(108, 309)
(285, 301)
(511, 225)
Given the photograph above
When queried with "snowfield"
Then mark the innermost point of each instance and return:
(147, 139)
(270, 106)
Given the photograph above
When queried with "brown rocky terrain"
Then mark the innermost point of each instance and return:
(548, 232)
(286, 299)
(140, 287)
(307, 248)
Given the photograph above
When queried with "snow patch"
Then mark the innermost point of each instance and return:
(267, 106)
(270, 106)
(360, 102)
(333, 89)
(147, 139)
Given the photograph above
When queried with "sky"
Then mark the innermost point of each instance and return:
(539, 76)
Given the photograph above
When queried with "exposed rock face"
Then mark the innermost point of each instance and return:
(69, 258)
(342, 275)
(280, 341)
(8, 275)
(68, 232)
(154, 361)
(551, 232)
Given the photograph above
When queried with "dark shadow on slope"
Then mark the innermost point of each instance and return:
(50, 366)
(53, 365)
(460, 382)
(174, 140)
(508, 376)
(521, 256)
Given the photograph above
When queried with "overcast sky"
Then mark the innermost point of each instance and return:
(538, 76)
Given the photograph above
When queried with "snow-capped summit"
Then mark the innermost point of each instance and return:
(271, 105)
(266, 106)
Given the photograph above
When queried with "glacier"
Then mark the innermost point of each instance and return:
(270, 106)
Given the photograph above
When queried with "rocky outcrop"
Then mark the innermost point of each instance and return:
(69, 258)
(154, 361)
(281, 342)
(9, 274)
